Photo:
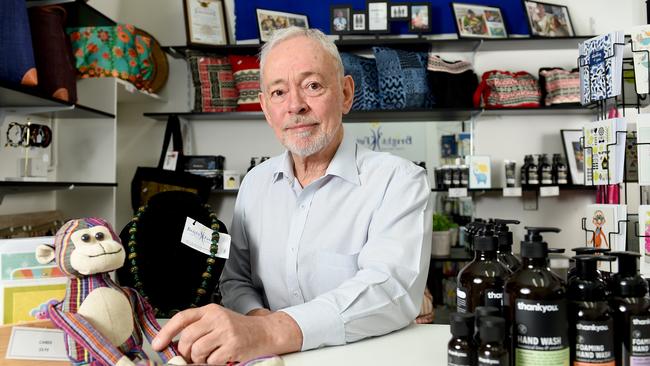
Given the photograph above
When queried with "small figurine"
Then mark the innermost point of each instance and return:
(103, 322)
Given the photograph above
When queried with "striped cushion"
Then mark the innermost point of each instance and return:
(214, 83)
(504, 89)
(246, 70)
(559, 86)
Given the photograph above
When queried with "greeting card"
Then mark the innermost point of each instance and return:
(604, 151)
(479, 172)
(605, 225)
(640, 46)
(644, 239)
(601, 67)
(643, 148)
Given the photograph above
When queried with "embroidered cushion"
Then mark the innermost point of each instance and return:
(214, 83)
(451, 83)
(402, 79)
(504, 89)
(364, 73)
(17, 65)
(246, 70)
(559, 85)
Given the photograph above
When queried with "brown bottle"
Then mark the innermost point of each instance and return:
(461, 350)
(493, 351)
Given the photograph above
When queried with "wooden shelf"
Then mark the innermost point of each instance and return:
(14, 187)
(24, 100)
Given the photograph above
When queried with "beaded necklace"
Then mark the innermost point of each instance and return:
(207, 274)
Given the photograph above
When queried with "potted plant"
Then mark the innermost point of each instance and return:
(441, 237)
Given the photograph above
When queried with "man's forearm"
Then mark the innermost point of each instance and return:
(259, 312)
(282, 332)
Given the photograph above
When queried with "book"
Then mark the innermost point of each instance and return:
(606, 226)
(604, 151)
(643, 151)
(601, 67)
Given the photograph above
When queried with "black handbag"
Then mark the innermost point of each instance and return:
(149, 181)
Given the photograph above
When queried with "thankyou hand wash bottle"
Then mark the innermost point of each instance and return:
(504, 237)
(536, 307)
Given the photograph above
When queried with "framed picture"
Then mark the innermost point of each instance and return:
(419, 17)
(340, 19)
(478, 21)
(268, 21)
(399, 11)
(205, 22)
(575, 156)
(377, 16)
(359, 22)
(548, 20)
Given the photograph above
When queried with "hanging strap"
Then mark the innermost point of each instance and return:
(173, 134)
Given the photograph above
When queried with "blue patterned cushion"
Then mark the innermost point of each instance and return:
(364, 73)
(402, 79)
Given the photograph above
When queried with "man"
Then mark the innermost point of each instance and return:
(330, 241)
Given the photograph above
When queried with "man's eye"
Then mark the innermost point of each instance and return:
(314, 86)
(277, 93)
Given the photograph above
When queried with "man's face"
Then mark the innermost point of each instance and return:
(303, 96)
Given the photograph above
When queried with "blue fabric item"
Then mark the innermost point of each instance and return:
(402, 79)
(318, 12)
(364, 72)
(16, 53)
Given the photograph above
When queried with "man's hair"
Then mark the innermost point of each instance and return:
(316, 35)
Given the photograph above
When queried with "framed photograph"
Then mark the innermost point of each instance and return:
(575, 156)
(478, 21)
(340, 19)
(359, 22)
(377, 16)
(548, 20)
(399, 11)
(268, 21)
(419, 17)
(205, 22)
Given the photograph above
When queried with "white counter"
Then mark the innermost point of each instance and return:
(415, 345)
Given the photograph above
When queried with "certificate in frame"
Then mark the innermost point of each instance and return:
(205, 22)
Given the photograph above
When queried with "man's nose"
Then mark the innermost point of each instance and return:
(297, 102)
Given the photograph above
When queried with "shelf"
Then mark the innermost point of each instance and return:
(225, 191)
(127, 93)
(21, 99)
(567, 187)
(560, 109)
(13, 187)
(457, 254)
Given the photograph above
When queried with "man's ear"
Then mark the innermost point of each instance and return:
(45, 254)
(348, 93)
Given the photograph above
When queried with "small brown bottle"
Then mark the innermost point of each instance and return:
(492, 351)
(461, 349)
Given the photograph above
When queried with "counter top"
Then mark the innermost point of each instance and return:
(417, 344)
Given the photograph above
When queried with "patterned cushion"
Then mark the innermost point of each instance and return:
(364, 73)
(504, 89)
(214, 83)
(246, 70)
(402, 79)
(559, 86)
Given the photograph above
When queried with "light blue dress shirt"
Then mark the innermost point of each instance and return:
(346, 256)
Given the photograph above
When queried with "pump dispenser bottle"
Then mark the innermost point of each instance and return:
(504, 237)
(591, 322)
(535, 303)
(479, 313)
(493, 351)
(588, 251)
(461, 349)
(631, 312)
(480, 282)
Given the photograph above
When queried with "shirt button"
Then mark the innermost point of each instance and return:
(295, 294)
(302, 206)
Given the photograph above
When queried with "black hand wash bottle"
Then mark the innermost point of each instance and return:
(535, 303)
(504, 237)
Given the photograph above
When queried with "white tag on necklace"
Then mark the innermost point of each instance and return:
(199, 237)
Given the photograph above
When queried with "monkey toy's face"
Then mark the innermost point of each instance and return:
(95, 251)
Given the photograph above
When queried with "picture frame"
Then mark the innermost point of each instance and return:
(359, 22)
(269, 21)
(206, 23)
(548, 20)
(478, 21)
(340, 19)
(574, 155)
(398, 11)
(419, 17)
(377, 18)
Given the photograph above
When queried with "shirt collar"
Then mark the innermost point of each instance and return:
(343, 164)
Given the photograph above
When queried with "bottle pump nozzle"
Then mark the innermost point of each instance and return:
(627, 282)
(502, 231)
(587, 265)
(485, 239)
(534, 245)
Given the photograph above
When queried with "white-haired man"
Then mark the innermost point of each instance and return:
(330, 241)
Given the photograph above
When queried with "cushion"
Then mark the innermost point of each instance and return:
(505, 89)
(246, 70)
(559, 86)
(451, 83)
(17, 65)
(364, 73)
(402, 79)
(214, 83)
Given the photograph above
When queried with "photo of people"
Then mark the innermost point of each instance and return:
(399, 11)
(548, 20)
(475, 21)
(269, 21)
(340, 20)
(420, 18)
(359, 22)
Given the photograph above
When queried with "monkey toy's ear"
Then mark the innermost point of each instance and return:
(45, 254)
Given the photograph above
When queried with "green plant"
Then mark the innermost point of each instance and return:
(441, 222)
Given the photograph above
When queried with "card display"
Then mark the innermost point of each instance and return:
(604, 151)
(601, 67)
(643, 148)
(603, 227)
(644, 239)
(641, 45)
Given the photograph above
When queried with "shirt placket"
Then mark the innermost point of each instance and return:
(298, 220)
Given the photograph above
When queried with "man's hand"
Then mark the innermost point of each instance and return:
(259, 312)
(215, 335)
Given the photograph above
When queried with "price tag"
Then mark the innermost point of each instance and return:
(171, 158)
(457, 192)
(41, 344)
(199, 237)
(549, 191)
(512, 192)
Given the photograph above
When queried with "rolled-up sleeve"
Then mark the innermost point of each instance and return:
(386, 292)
